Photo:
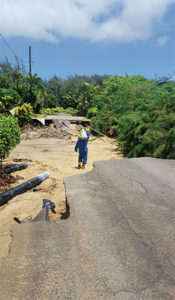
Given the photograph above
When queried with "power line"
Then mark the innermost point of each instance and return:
(16, 57)
(4, 40)
(19, 61)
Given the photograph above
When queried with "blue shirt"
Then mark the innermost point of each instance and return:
(82, 144)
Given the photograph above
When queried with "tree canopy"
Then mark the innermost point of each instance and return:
(136, 111)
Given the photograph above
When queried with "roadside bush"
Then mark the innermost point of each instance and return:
(140, 114)
(51, 101)
(23, 113)
(25, 109)
(169, 150)
(59, 110)
(72, 111)
(9, 135)
(9, 98)
(50, 111)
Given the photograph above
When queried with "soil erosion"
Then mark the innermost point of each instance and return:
(58, 158)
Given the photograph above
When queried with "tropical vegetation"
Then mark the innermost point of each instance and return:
(136, 111)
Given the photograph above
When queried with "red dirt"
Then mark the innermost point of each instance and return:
(5, 181)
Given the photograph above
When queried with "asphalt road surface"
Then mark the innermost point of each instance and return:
(117, 243)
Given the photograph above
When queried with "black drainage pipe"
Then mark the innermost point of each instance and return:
(14, 168)
(22, 188)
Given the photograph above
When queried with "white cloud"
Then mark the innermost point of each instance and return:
(162, 40)
(96, 20)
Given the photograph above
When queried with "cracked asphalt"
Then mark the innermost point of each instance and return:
(118, 243)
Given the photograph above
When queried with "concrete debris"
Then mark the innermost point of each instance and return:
(66, 123)
(58, 124)
(57, 129)
(60, 117)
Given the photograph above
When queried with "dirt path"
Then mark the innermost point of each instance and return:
(57, 157)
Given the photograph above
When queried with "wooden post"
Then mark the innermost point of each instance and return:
(30, 61)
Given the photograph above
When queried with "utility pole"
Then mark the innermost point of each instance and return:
(30, 71)
(30, 61)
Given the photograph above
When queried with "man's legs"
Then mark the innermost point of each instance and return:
(79, 162)
(84, 160)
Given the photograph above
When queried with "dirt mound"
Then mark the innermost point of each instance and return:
(6, 181)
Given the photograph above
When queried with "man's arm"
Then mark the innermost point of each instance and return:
(77, 145)
(88, 134)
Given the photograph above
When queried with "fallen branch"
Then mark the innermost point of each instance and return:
(22, 188)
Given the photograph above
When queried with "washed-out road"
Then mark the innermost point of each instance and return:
(117, 242)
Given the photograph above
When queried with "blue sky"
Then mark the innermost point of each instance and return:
(87, 37)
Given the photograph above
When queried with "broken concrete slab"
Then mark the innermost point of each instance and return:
(57, 124)
(71, 119)
(66, 123)
(42, 216)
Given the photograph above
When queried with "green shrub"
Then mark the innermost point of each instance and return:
(26, 110)
(9, 98)
(169, 150)
(59, 110)
(140, 114)
(9, 135)
(23, 113)
(50, 111)
(51, 101)
(92, 112)
(71, 111)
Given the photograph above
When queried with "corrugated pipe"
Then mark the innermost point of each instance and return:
(14, 168)
(22, 188)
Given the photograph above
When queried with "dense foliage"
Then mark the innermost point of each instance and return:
(59, 110)
(23, 113)
(9, 135)
(17, 88)
(138, 112)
